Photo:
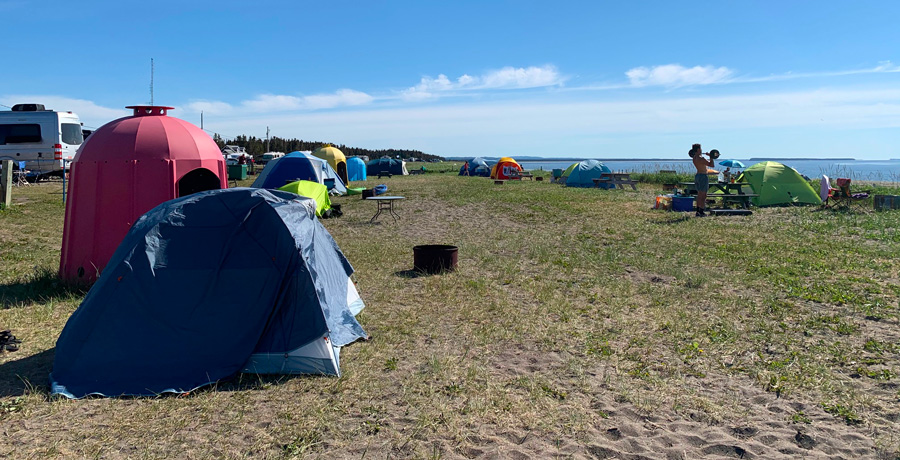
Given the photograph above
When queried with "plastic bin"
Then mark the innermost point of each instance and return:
(238, 172)
(683, 203)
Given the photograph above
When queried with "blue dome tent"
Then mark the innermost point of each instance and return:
(477, 167)
(584, 173)
(298, 166)
(386, 166)
(356, 169)
(206, 286)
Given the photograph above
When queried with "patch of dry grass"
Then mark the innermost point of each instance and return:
(580, 323)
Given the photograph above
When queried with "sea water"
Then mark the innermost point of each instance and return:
(874, 170)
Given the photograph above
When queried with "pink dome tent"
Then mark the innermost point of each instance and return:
(123, 170)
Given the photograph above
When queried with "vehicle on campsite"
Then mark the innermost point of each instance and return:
(45, 140)
(233, 152)
(269, 156)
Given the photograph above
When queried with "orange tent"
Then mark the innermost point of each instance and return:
(506, 168)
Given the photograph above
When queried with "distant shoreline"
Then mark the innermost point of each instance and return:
(533, 159)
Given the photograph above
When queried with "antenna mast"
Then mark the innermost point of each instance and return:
(151, 81)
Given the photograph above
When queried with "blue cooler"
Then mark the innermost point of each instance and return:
(683, 203)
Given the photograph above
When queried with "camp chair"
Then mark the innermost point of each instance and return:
(20, 175)
(841, 196)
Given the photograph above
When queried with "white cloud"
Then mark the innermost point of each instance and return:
(283, 103)
(505, 78)
(674, 75)
(341, 98)
(542, 125)
(88, 112)
(882, 67)
(531, 77)
(211, 107)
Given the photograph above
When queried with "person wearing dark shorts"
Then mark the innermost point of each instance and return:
(701, 179)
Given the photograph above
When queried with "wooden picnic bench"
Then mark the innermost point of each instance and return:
(523, 175)
(728, 192)
(615, 180)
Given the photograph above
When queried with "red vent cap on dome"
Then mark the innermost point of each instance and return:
(149, 110)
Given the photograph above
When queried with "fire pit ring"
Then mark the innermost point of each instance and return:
(435, 258)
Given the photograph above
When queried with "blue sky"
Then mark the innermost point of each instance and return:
(554, 79)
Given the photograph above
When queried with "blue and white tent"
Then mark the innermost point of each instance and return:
(477, 167)
(206, 286)
(584, 173)
(356, 169)
(298, 166)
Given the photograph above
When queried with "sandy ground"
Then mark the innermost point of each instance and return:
(616, 428)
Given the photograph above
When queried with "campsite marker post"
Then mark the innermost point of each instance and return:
(6, 184)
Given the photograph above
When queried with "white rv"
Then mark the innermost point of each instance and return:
(43, 139)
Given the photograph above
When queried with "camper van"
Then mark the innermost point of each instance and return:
(43, 139)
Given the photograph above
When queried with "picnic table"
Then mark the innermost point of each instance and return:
(728, 192)
(617, 180)
(523, 175)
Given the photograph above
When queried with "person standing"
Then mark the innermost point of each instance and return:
(701, 179)
(466, 169)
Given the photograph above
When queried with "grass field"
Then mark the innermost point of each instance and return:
(580, 324)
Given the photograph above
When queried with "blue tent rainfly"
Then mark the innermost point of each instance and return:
(206, 286)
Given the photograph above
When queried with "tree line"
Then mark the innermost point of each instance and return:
(257, 146)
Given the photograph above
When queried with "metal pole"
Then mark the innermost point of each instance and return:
(64, 180)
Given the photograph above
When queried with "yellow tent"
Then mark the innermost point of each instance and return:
(335, 158)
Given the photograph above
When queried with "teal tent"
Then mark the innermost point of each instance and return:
(583, 173)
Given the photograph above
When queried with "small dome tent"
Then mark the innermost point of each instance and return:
(335, 158)
(123, 170)
(356, 169)
(314, 190)
(386, 165)
(173, 311)
(477, 167)
(777, 184)
(298, 166)
(583, 173)
(506, 168)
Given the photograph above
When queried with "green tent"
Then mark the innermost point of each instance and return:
(314, 190)
(778, 184)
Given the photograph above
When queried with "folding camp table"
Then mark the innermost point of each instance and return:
(385, 203)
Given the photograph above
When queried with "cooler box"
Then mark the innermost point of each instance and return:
(683, 203)
(238, 172)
